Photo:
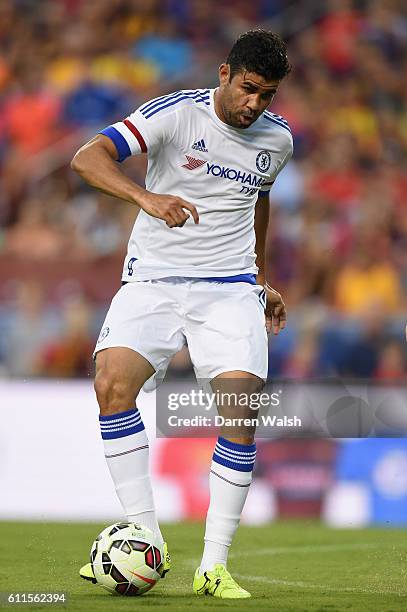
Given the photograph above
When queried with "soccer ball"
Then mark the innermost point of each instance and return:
(127, 558)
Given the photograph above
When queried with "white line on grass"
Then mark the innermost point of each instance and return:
(317, 548)
(324, 587)
(286, 550)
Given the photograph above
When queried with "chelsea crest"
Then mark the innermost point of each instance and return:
(263, 161)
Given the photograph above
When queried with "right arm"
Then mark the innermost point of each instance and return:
(96, 163)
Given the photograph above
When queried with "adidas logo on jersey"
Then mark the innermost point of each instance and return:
(200, 145)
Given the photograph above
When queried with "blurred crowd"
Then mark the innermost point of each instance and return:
(337, 243)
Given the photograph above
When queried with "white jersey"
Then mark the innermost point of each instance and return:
(218, 168)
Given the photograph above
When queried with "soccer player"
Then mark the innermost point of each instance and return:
(194, 273)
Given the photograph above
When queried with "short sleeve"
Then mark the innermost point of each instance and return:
(142, 131)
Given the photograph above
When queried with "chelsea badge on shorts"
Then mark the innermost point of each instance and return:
(105, 331)
(263, 161)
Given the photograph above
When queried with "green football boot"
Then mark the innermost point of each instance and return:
(218, 583)
(86, 572)
(166, 560)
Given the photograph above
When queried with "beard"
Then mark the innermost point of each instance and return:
(237, 118)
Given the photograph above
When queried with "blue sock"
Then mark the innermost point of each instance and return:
(121, 424)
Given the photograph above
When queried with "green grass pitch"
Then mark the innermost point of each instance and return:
(286, 566)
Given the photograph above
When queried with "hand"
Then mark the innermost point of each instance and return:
(169, 208)
(276, 314)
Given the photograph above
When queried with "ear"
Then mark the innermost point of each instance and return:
(224, 72)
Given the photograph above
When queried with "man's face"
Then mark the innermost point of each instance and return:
(240, 101)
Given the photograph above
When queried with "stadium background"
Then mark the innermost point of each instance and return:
(337, 242)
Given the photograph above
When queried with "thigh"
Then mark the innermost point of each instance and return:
(120, 374)
(123, 364)
(226, 329)
(143, 316)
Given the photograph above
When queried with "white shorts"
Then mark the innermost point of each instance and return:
(222, 323)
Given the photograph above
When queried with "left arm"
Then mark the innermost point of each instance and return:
(261, 221)
(275, 308)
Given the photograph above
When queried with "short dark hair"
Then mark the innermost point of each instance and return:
(261, 52)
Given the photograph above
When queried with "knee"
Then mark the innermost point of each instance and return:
(256, 385)
(114, 393)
